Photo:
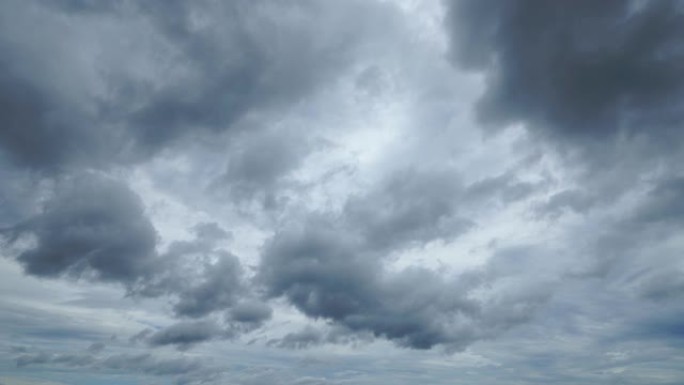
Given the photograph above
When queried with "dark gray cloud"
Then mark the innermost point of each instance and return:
(268, 122)
(53, 117)
(333, 266)
(328, 271)
(217, 289)
(318, 270)
(237, 67)
(241, 318)
(258, 56)
(246, 57)
(19, 195)
(580, 71)
(95, 228)
(666, 326)
(41, 129)
(258, 163)
(250, 312)
(665, 203)
(91, 226)
(184, 335)
(665, 284)
(596, 79)
(409, 208)
(602, 79)
(211, 231)
(202, 277)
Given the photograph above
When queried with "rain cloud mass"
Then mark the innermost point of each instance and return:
(341, 192)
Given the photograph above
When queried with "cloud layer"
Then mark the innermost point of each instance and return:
(216, 192)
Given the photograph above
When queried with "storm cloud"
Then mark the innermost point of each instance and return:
(91, 226)
(316, 192)
(334, 268)
(582, 71)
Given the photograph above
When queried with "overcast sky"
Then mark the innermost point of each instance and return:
(313, 192)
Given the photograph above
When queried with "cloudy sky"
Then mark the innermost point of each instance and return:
(311, 192)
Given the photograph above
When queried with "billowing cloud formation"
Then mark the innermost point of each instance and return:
(316, 192)
(190, 78)
(184, 334)
(250, 312)
(334, 267)
(582, 71)
(95, 228)
(602, 80)
(599, 79)
(91, 226)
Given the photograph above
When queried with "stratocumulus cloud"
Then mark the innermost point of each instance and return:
(315, 192)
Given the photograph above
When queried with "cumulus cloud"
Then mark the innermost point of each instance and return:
(248, 58)
(582, 71)
(598, 79)
(184, 334)
(327, 272)
(238, 67)
(96, 228)
(202, 277)
(250, 312)
(218, 289)
(92, 226)
(495, 179)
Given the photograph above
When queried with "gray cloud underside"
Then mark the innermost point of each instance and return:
(91, 226)
(95, 228)
(601, 82)
(582, 71)
(596, 83)
(332, 267)
(601, 79)
(217, 75)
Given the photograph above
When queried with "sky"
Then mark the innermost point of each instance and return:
(311, 192)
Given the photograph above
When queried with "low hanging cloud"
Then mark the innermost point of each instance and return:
(334, 267)
(213, 78)
(602, 79)
(241, 318)
(95, 228)
(184, 335)
(582, 71)
(92, 226)
(499, 180)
